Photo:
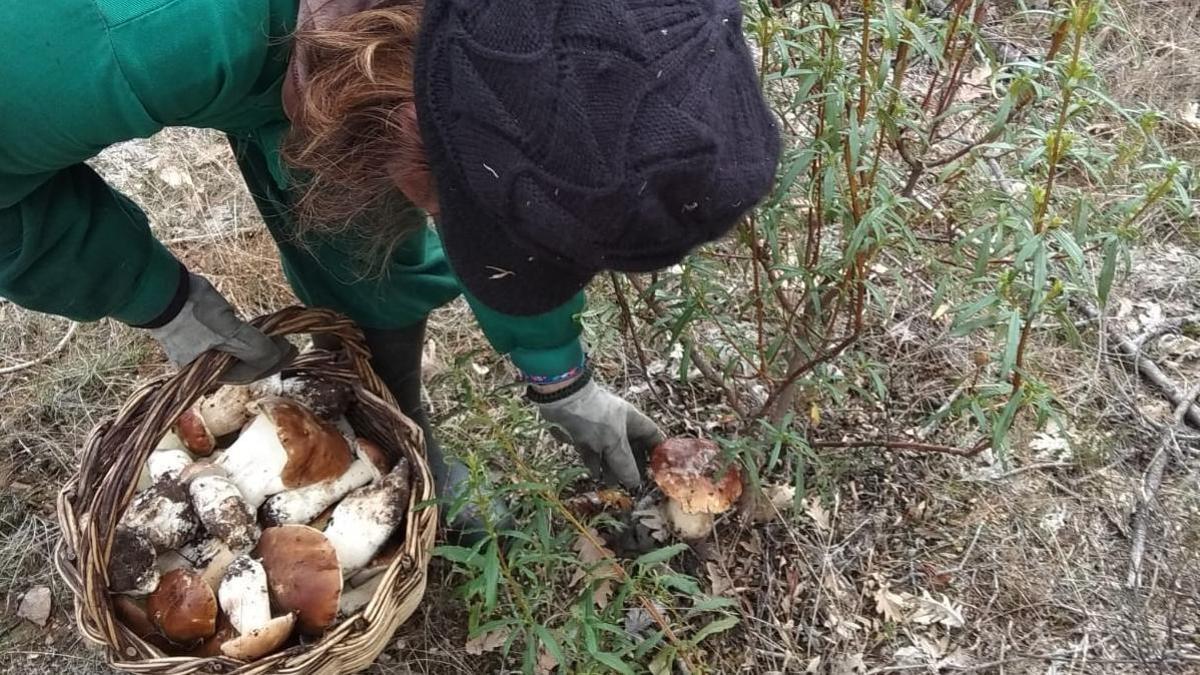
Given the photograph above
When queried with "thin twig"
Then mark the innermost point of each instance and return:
(907, 445)
(62, 344)
(1148, 493)
(1147, 368)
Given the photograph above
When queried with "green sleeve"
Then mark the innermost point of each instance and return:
(544, 345)
(75, 247)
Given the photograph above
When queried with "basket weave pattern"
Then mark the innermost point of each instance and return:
(91, 504)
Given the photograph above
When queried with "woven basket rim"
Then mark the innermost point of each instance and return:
(117, 448)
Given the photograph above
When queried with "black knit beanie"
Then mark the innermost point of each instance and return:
(568, 137)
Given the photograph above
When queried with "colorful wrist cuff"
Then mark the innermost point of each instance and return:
(554, 379)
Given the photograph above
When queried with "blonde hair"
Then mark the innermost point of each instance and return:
(354, 137)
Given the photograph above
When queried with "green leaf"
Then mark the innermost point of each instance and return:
(663, 662)
(551, 644)
(458, 554)
(1067, 241)
(1107, 271)
(491, 576)
(660, 555)
(1013, 340)
(682, 583)
(612, 661)
(718, 626)
(710, 603)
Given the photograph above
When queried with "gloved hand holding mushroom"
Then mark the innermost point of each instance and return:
(259, 518)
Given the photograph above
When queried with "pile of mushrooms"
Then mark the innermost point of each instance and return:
(259, 518)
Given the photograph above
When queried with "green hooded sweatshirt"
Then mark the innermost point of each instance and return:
(81, 75)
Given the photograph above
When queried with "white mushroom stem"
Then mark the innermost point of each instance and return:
(256, 461)
(285, 447)
(243, 595)
(366, 518)
(169, 442)
(689, 526)
(225, 411)
(211, 556)
(167, 463)
(224, 513)
(356, 598)
(303, 505)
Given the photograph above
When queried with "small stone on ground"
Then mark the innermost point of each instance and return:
(35, 606)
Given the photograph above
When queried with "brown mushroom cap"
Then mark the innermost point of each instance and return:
(194, 433)
(184, 607)
(689, 471)
(212, 646)
(372, 452)
(303, 575)
(133, 615)
(316, 450)
(258, 643)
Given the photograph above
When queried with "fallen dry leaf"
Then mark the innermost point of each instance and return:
(720, 582)
(546, 663)
(931, 610)
(652, 519)
(891, 606)
(817, 512)
(487, 642)
(598, 566)
(773, 502)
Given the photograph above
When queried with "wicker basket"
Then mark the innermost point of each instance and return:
(112, 460)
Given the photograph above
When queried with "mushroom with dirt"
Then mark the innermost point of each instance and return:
(364, 521)
(133, 567)
(285, 447)
(246, 601)
(183, 607)
(328, 398)
(303, 575)
(698, 485)
(222, 510)
(163, 514)
(304, 505)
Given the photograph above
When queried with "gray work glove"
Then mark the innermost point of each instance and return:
(613, 437)
(207, 322)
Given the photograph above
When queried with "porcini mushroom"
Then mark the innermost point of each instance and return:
(697, 486)
(169, 442)
(285, 447)
(218, 414)
(245, 600)
(221, 509)
(163, 514)
(327, 398)
(367, 517)
(167, 464)
(183, 607)
(303, 575)
(194, 433)
(226, 410)
(303, 505)
(133, 568)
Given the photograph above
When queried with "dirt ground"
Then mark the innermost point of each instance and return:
(917, 563)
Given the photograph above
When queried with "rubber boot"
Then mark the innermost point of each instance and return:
(396, 358)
